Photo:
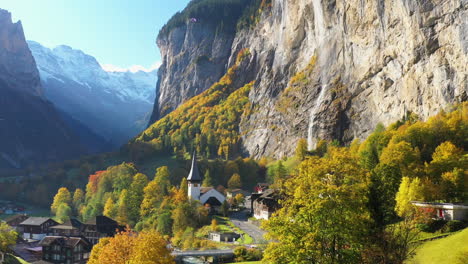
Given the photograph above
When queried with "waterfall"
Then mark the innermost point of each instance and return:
(310, 139)
(319, 20)
(321, 36)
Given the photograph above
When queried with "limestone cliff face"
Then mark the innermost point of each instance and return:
(31, 130)
(333, 69)
(17, 65)
(194, 56)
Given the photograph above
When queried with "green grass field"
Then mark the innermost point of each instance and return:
(450, 250)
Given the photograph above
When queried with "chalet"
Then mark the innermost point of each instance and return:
(446, 211)
(15, 220)
(36, 228)
(58, 249)
(99, 227)
(266, 204)
(207, 196)
(71, 227)
(223, 236)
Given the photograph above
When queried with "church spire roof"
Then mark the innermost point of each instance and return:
(194, 174)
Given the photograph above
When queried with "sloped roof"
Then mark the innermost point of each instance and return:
(205, 189)
(194, 174)
(69, 224)
(65, 241)
(35, 221)
(15, 217)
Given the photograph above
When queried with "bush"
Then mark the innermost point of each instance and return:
(453, 226)
(245, 254)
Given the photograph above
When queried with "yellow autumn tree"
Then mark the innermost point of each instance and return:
(63, 196)
(132, 248)
(410, 190)
(324, 216)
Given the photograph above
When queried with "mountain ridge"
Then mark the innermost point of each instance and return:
(114, 105)
(373, 62)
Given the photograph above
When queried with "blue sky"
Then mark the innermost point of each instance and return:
(119, 33)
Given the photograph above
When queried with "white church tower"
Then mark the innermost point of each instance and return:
(194, 180)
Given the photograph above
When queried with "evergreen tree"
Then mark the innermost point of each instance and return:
(136, 193)
(123, 209)
(207, 180)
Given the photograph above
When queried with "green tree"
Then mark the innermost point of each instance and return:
(235, 181)
(183, 217)
(301, 149)
(155, 191)
(327, 203)
(63, 212)
(63, 196)
(207, 180)
(78, 200)
(164, 223)
(8, 237)
(123, 209)
(110, 209)
(225, 208)
(136, 193)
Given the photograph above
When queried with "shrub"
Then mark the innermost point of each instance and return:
(432, 225)
(453, 226)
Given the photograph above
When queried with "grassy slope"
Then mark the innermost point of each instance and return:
(447, 250)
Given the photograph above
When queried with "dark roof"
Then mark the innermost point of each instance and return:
(65, 241)
(15, 217)
(194, 174)
(36, 221)
(101, 220)
(104, 225)
(69, 224)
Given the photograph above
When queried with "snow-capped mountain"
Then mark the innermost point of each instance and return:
(115, 105)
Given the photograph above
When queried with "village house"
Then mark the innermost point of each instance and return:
(265, 204)
(71, 227)
(208, 196)
(36, 228)
(15, 220)
(223, 236)
(59, 249)
(99, 227)
(446, 211)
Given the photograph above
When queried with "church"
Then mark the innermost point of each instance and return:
(207, 196)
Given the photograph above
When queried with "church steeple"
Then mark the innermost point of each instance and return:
(194, 175)
(194, 180)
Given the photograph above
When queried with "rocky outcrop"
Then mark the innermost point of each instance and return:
(17, 66)
(334, 69)
(31, 130)
(194, 56)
